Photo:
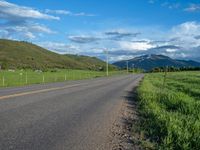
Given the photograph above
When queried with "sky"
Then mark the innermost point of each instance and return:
(124, 28)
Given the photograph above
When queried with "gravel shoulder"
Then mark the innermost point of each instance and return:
(123, 136)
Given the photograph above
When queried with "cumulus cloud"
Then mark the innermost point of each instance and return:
(24, 31)
(181, 41)
(186, 34)
(165, 49)
(18, 22)
(136, 46)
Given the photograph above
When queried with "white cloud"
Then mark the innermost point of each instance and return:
(59, 12)
(29, 35)
(118, 58)
(15, 12)
(40, 28)
(66, 12)
(18, 22)
(171, 50)
(135, 46)
(24, 32)
(185, 33)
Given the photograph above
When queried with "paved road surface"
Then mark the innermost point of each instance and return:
(75, 115)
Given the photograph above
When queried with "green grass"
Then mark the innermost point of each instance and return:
(171, 111)
(28, 77)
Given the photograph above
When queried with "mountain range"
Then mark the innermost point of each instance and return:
(148, 62)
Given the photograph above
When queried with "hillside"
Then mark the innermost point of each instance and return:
(148, 62)
(16, 54)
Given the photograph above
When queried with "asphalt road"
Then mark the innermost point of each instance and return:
(75, 115)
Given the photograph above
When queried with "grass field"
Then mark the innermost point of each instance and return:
(170, 110)
(28, 77)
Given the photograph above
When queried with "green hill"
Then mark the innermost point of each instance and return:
(17, 54)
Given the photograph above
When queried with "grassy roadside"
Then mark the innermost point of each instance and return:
(27, 77)
(170, 111)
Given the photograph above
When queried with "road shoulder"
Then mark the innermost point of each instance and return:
(123, 135)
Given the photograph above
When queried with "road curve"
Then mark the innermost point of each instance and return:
(75, 115)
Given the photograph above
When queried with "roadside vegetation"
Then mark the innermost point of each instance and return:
(9, 78)
(170, 110)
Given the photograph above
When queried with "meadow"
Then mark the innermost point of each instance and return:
(9, 78)
(170, 110)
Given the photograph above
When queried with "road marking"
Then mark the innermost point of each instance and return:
(37, 91)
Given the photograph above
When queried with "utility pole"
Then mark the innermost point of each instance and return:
(127, 65)
(133, 67)
(106, 52)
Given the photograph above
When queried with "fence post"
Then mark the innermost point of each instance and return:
(43, 79)
(65, 77)
(26, 78)
(3, 81)
(55, 78)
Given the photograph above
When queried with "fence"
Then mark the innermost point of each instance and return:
(20, 78)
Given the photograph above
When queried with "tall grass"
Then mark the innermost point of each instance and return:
(171, 114)
(28, 77)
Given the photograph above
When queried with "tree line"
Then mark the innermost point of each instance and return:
(174, 69)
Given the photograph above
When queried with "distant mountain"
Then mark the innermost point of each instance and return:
(148, 62)
(17, 54)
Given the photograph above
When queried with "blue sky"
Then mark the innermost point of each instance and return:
(126, 28)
